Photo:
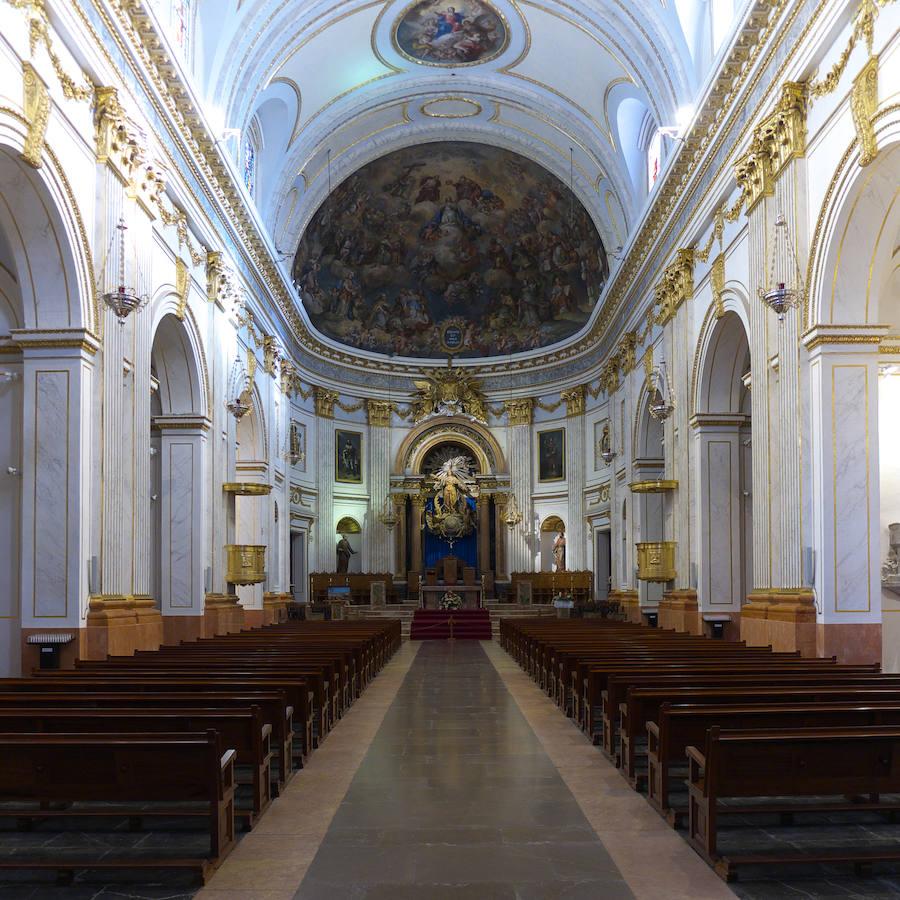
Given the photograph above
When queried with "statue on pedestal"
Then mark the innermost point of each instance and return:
(559, 551)
(344, 552)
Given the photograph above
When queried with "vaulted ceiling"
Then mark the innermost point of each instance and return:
(578, 86)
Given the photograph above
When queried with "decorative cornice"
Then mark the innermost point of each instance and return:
(827, 335)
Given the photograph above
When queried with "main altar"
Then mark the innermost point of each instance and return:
(470, 595)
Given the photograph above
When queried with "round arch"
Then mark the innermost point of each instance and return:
(177, 363)
(429, 434)
(46, 236)
(722, 360)
(861, 204)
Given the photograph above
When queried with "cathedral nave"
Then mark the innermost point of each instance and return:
(449, 449)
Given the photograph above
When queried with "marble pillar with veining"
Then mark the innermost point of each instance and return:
(522, 483)
(326, 540)
(378, 539)
(576, 468)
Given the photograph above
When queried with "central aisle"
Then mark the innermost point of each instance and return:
(457, 797)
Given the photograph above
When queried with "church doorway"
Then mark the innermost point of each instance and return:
(602, 564)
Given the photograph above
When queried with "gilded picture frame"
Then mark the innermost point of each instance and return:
(551, 455)
(348, 457)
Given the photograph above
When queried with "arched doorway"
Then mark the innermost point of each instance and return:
(178, 440)
(722, 434)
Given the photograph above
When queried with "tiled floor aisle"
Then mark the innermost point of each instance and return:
(456, 797)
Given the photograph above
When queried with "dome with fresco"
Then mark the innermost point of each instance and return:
(450, 247)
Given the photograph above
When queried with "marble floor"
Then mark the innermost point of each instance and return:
(454, 776)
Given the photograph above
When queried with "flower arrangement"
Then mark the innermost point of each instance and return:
(562, 597)
(451, 600)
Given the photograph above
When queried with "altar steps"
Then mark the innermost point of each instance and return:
(434, 625)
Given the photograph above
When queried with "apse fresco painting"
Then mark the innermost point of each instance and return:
(450, 237)
(440, 34)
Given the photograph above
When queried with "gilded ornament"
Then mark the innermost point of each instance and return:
(676, 286)
(717, 282)
(519, 412)
(379, 412)
(182, 283)
(449, 392)
(270, 354)
(451, 517)
(574, 400)
(863, 106)
(325, 401)
(37, 112)
(221, 285)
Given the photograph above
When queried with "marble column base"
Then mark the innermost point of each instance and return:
(275, 607)
(851, 643)
(679, 611)
(629, 603)
(786, 619)
(223, 614)
(118, 624)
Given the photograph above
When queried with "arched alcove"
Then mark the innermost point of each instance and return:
(722, 435)
(550, 529)
(178, 438)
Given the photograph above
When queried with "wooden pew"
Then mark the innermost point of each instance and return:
(678, 727)
(43, 775)
(242, 730)
(806, 762)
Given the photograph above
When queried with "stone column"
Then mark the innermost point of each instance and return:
(483, 511)
(399, 501)
(323, 463)
(576, 466)
(521, 477)
(415, 532)
(843, 371)
(500, 530)
(378, 537)
(58, 489)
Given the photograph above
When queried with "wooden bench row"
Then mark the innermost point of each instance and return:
(784, 735)
(209, 730)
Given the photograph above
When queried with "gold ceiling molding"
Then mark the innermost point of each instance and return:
(36, 106)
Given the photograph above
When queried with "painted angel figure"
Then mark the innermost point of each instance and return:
(453, 480)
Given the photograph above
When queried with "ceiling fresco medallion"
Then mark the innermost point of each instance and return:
(461, 33)
(450, 248)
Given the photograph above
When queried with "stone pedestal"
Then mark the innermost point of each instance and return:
(222, 614)
(117, 625)
(786, 619)
(629, 603)
(275, 607)
(679, 611)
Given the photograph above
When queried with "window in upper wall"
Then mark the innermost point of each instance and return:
(176, 17)
(654, 159)
(249, 165)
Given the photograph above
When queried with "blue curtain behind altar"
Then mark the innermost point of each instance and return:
(437, 548)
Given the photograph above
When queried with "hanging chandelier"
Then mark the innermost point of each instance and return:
(123, 300)
(780, 296)
(388, 515)
(662, 400)
(238, 407)
(293, 448)
(511, 515)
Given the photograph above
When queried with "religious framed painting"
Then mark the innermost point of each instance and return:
(462, 33)
(348, 457)
(552, 454)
